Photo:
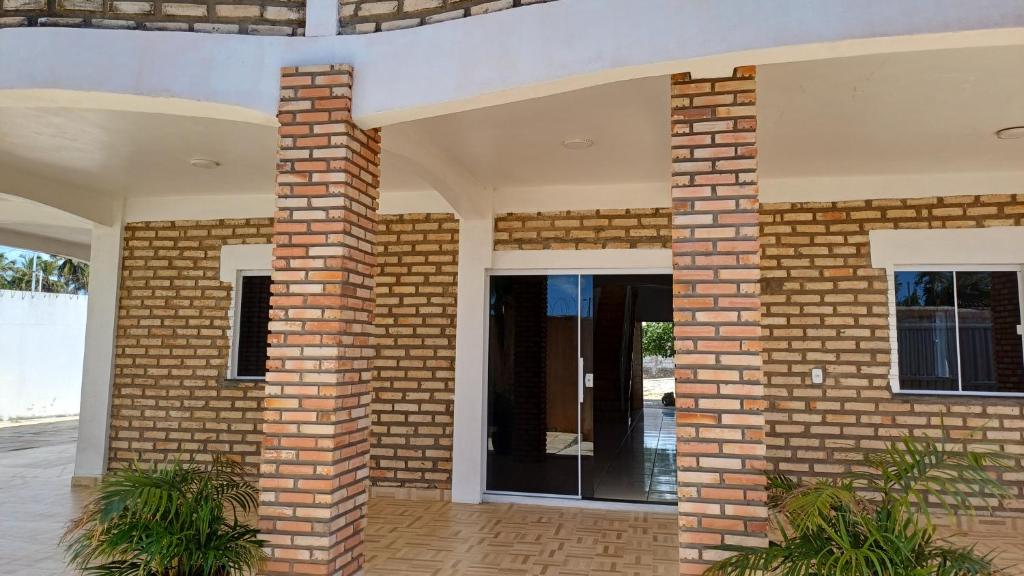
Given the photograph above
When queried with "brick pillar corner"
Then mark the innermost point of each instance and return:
(716, 303)
(313, 471)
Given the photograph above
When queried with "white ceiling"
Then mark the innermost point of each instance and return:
(926, 113)
(912, 113)
(135, 153)
(519, 145)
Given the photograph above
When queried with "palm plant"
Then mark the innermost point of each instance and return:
(7, 267)
(178, 520)
(876, 522)
(74, 274)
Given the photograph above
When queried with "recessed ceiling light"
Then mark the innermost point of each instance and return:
(204, 163)
(577, 143)
(1011, 133)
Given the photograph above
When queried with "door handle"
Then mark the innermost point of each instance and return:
(579, 379)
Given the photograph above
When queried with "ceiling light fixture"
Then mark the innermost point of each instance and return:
(1011, 133)
(204, 163)
(577, 143)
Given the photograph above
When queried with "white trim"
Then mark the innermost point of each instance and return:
(626, 261)
(956, 249)
(469, 445)
(563, 502)
(162, 208)
(236, 257)
(496, 58)
(891, 270)
(236, 261)
(943, 247)
(321, 18)
(98, 358)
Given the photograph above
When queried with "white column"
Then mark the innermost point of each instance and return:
(476, 243)
(321, 17)
(98, 363)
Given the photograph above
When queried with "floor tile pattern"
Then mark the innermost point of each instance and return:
(443, 539)
(404, 538)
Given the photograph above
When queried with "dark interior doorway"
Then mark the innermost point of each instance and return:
(573, 408)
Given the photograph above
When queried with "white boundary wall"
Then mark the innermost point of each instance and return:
(42, 342)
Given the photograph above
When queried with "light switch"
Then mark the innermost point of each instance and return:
(588, 380)
(817, 376)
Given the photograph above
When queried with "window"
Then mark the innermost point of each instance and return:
(252, 316)
(958, 331)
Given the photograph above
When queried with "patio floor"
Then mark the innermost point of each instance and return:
(404, 537)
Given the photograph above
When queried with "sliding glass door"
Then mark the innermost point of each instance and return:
(535, 385)
(573, 409)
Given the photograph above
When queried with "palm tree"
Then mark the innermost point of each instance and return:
(7, 267)
(183, 519)
(876, 522)
(74, 274)
(48, 278)
(21, 277)
(44, 273)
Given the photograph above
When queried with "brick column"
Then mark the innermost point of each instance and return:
(313, 475)
(716, 259)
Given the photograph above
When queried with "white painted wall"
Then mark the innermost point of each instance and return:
(513, 54)
(42, 340)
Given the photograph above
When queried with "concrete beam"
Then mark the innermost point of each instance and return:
(46, 244)
(87, 204)
(471, 199)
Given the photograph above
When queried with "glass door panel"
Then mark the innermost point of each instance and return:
(533, 440)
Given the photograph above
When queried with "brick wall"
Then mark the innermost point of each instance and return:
(716, 308)
(314, 470)
(824, 305)
(362, 16)
(173, 344)
(584, 229)
(260, 17)
(414, 373)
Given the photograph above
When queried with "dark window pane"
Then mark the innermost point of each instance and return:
(253, 318)
(533, 443)
(988, 308)
(926, 331)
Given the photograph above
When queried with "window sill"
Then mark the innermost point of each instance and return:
(242, 381)
(1011, 395)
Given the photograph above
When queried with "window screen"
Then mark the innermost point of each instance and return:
(958, 331)
(253, 318)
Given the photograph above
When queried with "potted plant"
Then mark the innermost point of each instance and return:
(876, 522)
(181, 519)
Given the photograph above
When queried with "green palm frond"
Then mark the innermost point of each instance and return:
(875, 522)
(178, 520)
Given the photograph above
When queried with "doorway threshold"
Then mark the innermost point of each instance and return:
(578, 503)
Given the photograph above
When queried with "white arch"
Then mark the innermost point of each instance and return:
(501, 57)
(122, 102)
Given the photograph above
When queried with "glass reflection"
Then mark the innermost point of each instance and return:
(533, 441)
(926, 331)
(988, 310)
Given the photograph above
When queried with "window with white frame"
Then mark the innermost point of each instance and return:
(251, 325)
(958, 330)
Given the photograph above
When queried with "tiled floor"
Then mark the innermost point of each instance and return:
(644, 466)
(36, 462)
(442, 539)
(404, 538)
